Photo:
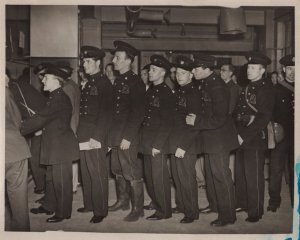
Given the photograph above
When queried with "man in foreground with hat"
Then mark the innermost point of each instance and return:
(252, 114)
(94, 117)
(73, 92)
(59, 146)
(284, 151)
(123, 134)
(218, 138)
(155, 131)
(183, 142)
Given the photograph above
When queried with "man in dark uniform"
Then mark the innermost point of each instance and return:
(183, 142)
(93, 122)
(28, 98)
(156, 128)
(253, 113)
(284, 151)
(128, 112)
(59, 147)
(219, 137)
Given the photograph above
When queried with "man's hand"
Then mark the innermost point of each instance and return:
(240, 140)
(124, 144)
(190, 119)
(94, 143)
(38, 133)
(179, 153)
(155, 152)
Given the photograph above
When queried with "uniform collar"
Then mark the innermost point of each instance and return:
(290, 83)
(126, 74)
(95, 76)
(186, 87)
(56, 92)
(159, 85)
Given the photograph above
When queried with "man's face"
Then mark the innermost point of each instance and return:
(145, 76)
(156, 73)
(289, 73)
(91, 66)
(225, 73)
(109, 72)
(274, 78)
(200, 73)
(50, 82)
(173, 74)
(255, 72)
(183, 76)
(120, 61)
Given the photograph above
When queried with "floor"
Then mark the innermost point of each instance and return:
(271, 223)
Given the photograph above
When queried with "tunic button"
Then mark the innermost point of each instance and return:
(118, 105)
(85, 113)
(125, 78)
(282, 100)
(153, 96)
(118, 97)
(117, 111)
(149, 117)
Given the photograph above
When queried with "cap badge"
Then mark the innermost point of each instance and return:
(85, 52)
(293, 59)
(249, 59)
(181, 62)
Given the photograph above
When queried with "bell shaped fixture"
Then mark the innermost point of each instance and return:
(232, 21)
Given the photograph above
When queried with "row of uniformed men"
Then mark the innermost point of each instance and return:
(194, 120)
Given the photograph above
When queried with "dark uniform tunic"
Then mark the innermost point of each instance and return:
(218, 136)
(27, 95)
(127, 116)
(94, 117)
(249, 168)
(155, 132)
(185, 137)
(284, 151)
(59, 148)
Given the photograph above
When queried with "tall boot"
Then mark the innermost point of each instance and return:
(137, 201)
(122, 191)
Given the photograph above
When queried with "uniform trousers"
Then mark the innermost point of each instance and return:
(249, 181)
(59, 194)
(159, 180)
(38, 171)
(219, 185)
(184, 175)
(126, 164)
(16, 186)
(148, 179)
(280, 156)
(95, 180)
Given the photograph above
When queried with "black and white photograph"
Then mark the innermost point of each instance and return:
(139, 119)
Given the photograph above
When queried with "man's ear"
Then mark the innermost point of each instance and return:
(262, 70)
(98, 62)
(283, 69)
